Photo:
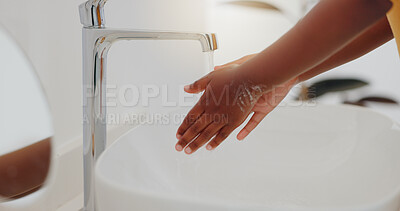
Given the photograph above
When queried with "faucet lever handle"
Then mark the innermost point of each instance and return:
(92, 13)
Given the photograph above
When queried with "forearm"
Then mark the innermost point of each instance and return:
(330, 26)
(372, 38)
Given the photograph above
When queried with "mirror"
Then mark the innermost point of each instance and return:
(26, 125)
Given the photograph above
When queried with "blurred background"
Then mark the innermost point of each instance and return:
(49, 32)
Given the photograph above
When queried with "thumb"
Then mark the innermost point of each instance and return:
(199, 85)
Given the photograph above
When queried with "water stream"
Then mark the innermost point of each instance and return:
(210, 61)
(193, 161)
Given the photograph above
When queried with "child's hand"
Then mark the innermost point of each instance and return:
(228, 99)
(313, 41)
(267, 102)
(264, 105)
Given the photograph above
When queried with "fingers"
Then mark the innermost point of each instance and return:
(199, 85)
(220, 137)
(253, 123)
(193, 130)
(191, 117)
(203, 138)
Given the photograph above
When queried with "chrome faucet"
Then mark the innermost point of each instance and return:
(97, 40)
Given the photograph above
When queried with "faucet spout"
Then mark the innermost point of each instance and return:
(108, 36)
(97, 40)
(96, 43)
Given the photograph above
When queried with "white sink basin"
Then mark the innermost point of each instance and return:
(319, 158)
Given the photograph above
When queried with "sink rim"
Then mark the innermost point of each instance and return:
(395, 126)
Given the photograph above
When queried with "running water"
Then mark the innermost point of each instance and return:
(189, 166)
(210, 61)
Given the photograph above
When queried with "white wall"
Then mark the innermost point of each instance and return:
(245, 30)
(50, 33)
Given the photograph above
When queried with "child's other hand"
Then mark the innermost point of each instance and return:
(265, 104)
(228, 99)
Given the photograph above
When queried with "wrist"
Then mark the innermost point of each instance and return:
(254, 77)
(250, 84)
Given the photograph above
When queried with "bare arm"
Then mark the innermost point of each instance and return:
(372, 38)
(326, 30)
(367, 41)
(330, 26)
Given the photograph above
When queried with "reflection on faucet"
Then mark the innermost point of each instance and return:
(97, 40)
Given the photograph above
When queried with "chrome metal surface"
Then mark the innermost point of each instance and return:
(92, 13)
(97, 40)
